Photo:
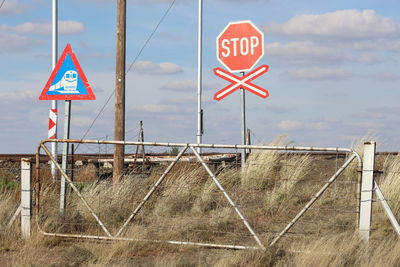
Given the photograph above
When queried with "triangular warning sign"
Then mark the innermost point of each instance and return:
(67, 81)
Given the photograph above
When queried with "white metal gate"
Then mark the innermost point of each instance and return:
(257, 236)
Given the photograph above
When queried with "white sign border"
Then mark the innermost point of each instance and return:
(262, 43)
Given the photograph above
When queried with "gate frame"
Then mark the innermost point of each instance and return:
(368, 187)
(184, 147)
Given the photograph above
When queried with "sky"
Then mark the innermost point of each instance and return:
(333, 74)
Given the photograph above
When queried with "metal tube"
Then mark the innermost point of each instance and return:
(168, 144)
(54, 62)
(64, 163)
(153, 188)
(199, 74)
(387, 209)
(231, 202)
(76, 190)
(14, 217)
(210, 245)
(312, 201)
(243, 124)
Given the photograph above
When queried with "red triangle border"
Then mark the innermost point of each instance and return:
(89, 96)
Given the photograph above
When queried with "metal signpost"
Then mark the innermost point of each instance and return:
(199, 75)
(67, 82)
(239, 47)
(52, 134)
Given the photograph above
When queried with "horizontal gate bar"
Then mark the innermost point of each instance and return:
(210, 245)
(168, 144)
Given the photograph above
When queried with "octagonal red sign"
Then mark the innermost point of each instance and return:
(240, 46)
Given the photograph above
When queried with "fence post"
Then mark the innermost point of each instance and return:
(26, 175)
(367, 186)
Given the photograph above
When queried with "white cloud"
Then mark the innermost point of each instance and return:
(15, 42)
(384, 76)
(367, 125)
(64, 27)
(341, 24)
(151, 68)
(303, 52)
(320, 74)
(306, 52)
(18, 95)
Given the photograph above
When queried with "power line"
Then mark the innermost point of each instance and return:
(2, 3)
(151, 35)
(129, 68)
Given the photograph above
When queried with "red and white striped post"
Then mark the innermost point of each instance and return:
(52, 134)
(52, 124)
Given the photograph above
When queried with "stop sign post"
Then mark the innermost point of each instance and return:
(239, 48)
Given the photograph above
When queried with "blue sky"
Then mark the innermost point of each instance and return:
(333, 70)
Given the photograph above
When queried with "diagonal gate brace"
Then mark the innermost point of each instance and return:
(76, 190)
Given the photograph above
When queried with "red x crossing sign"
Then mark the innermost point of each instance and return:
(241, 82)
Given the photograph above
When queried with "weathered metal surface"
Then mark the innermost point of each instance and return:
(367, 183)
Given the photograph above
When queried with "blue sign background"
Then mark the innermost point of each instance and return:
(67, 65)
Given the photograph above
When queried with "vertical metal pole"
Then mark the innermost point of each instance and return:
(199, 75)
(64, 163)
(143, 151)
(367, 186)
(119, 120)
(54, 62)
(243, 124)
(248, 139)
(72, 162)
(26, 201)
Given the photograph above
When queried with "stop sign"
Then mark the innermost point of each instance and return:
(240, 46)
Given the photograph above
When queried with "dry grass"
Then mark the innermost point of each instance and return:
(261, 164)
(294, 168)
(188, 206)
(391, 182)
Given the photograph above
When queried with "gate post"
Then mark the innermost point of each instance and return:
(26, 202)
(367, 183)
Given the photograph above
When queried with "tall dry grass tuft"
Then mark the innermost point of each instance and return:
(293, 169)
(357, 145)
(272, 256)
(210, 194)
(261, 165)
(334, 250)
(344, 249)
(181, 188)
(8, 236)
(390, 185)
(7, 205)
(112, 202)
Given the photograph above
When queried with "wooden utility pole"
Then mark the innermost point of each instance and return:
(119, 121)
